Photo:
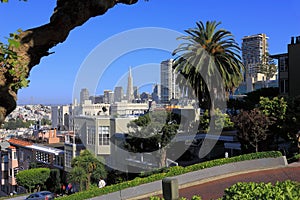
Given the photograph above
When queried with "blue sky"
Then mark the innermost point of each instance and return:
(52, 81)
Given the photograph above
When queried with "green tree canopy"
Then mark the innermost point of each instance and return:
(206, 52)
(78, 175)
(151, 132)
(222, 120)
(32, 178)
(92, 166)
(267, 67)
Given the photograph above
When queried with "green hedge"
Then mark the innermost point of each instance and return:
(168, 172)
(264, 191)
(289, 190)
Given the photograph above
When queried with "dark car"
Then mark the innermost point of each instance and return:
(43, 195)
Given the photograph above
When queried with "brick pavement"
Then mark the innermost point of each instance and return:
(215, 188)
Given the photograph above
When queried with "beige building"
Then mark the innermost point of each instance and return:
(124, 108)
(94, 132)
(103, 136)
(90, 109)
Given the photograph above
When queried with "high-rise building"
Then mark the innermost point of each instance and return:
(118, 94)
(108, 96)
(254, 49)
(156, 93)
(136, 93)
(84, 95)
(129, 92)
(169, 88)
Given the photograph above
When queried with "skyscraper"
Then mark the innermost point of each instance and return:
(254, 49)
(169, 88)
(156, 93)
(136, 92)
(118, 94)
(129, 96)
(108, 96)
(84, 95)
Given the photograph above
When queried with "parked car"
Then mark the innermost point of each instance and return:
(42, 195)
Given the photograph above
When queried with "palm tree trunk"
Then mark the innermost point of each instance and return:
(88, 181)
(212, 115)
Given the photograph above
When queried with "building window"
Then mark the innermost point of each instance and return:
(58, 160)
(15, 155)
(68, 157)
(103, 135)
(283, 64)
(91, 136)
(42, 157)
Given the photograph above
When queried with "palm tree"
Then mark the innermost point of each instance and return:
(78, 175)
(89, 163)
(208, 61)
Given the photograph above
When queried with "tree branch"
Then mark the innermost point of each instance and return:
(35, 43)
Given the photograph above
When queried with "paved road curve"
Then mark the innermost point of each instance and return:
(215, 189)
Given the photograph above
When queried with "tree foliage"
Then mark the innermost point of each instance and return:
(252, 127)
(151, 132)
(222, 121)
(54, 180)
(252, 99)
(26, 48)
(33, 178)
(267, 67)
(13, 124)
(275, 109)
(205, 51)
(78, 175)
(88, 163)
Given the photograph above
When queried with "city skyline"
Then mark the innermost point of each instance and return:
(53, 79)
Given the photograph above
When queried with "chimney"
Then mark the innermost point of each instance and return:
(298, 40)
(292, 40)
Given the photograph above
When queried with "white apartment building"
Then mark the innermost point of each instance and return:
(254, 50)
(169, 89)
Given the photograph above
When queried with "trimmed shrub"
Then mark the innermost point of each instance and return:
(264, 191)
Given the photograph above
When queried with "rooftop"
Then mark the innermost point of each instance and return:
(19, 142)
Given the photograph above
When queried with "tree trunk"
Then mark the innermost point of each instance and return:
(163, 157)
(88, 181)
(212, 116)
(35, 43)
